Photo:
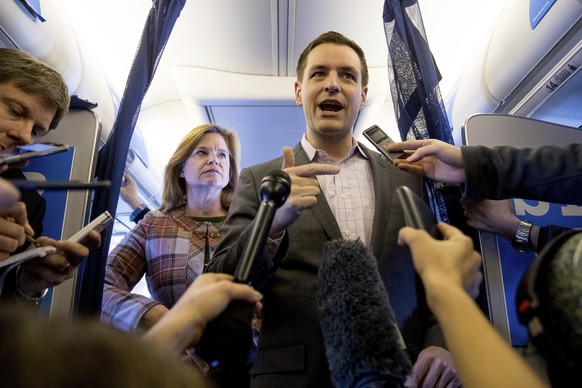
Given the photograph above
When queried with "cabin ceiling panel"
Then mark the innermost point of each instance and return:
(262, 38)
(226, 35)
(310, 18)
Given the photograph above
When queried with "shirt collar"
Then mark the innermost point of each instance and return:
(311, 151)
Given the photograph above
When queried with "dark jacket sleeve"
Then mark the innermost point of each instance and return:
(547, 234)
(548, 173)
(136, 217)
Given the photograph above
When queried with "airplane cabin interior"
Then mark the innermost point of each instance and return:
(510, 75)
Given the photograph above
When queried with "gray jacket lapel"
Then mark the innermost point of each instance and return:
(382, 197)
(321, 212)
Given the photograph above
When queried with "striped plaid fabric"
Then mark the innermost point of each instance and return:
(168, 248)
(414, 84)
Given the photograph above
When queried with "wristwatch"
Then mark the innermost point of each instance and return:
(33, 300)
(521, 240)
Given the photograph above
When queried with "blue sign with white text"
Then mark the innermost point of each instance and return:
(56, 167)
(514, 263)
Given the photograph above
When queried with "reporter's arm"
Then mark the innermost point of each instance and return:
(128, 192)
(448, 271)
(497, 216)
(150, 318)
(183, 325)
(482, 357)
(432, 158)
(529, 173)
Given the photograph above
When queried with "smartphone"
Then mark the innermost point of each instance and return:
(417, 213)
(381, 140)
(98, 224)
(24, 152)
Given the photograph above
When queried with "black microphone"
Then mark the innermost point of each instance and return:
(274, 190)
(227, 340)
(363, 344)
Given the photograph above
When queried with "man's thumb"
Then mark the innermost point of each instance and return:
(288, 158)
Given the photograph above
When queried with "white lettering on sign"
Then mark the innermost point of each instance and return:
(521, 208)
(572, 210)
(539, 208)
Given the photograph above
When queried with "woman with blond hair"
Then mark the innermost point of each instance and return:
(172, 245)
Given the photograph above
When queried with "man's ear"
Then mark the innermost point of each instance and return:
(364, 94)
(298, 99)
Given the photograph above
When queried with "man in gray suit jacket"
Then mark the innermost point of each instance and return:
(339, 189)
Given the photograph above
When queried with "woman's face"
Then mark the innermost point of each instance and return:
(209, 164)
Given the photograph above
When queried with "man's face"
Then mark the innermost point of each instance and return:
(23, 116)
(331, 91)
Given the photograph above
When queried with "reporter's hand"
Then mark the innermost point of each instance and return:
(434, 367)
(203, 301)
(449, 261)
(128, 192)
(491, 216)
(435, 159)
(304, 190)
(44, 272)
(13, 219)
(14, 227)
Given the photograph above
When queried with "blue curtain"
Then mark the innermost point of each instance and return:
(414, 79)
(112, 156)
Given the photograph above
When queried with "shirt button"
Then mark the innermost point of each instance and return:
(348, 233)
(344, 196)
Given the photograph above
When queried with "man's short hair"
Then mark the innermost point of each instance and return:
(335, 38)
(35, 77)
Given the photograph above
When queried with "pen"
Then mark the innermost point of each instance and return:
(32, 240)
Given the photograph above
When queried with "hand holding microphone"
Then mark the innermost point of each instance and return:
(227, 340)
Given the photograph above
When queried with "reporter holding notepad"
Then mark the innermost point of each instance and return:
(33, 99)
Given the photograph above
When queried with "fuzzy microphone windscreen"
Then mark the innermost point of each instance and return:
(362, 340)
